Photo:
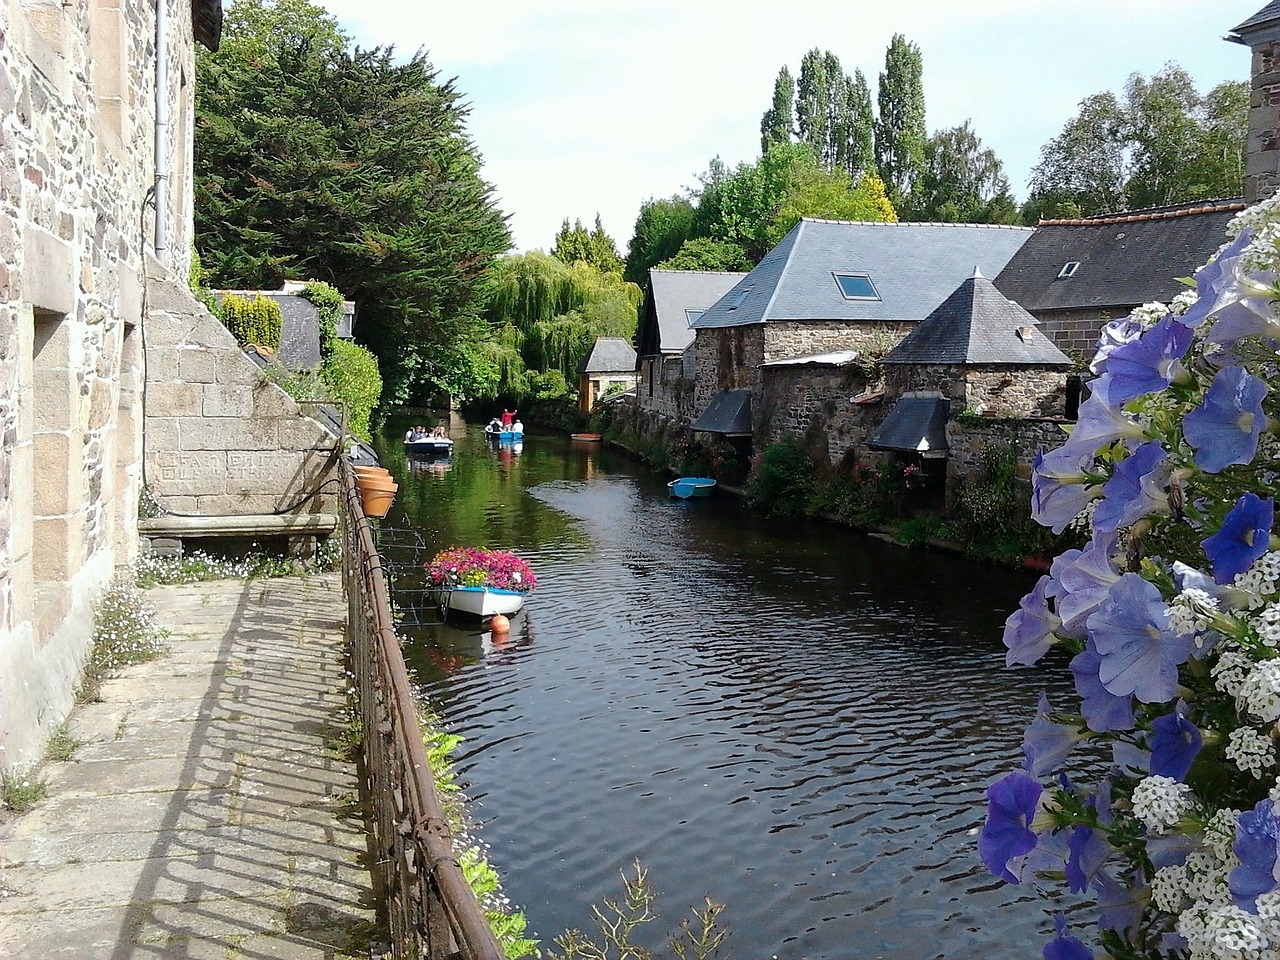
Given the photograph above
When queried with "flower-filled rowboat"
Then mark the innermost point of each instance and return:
(480, 582)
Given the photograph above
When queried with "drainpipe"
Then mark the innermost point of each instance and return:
(162, 133)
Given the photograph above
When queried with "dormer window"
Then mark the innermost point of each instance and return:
(693, 316)
(856, 286)
(1068, 269)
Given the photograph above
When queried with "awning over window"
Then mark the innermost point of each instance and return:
(729, 412)
(916, 424)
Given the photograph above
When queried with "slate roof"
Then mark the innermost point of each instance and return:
(916, 424)
(1267, 17)
(1125, 259)
(299, 326)
(913, 266)
(729, 412)
(609, 355)
(664, 327)
(978, 325)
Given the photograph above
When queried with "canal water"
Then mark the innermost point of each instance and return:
(790, 717)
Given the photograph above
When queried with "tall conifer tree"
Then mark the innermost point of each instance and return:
(779, 120)
(900, 128)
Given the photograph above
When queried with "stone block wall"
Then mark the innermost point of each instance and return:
(663, 388)
(800, 401)
(77, 105)
(1262, 154)
(997, 391)
(221, 438)
(966, 440)
(726, 358)
(1075, 332)
(800, 338)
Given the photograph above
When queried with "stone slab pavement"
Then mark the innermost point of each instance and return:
(208, 812)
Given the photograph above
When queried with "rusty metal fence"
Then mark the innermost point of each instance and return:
(431, 910)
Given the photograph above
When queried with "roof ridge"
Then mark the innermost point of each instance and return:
(917, 223)
(1154, 214)
(717, 273)
(786, 266)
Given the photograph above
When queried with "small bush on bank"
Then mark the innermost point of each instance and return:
(990, 514)
(781, 482)
(351, 377)
(21, 791)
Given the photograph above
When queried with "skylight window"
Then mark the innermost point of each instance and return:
(739, 298)
(1068, 269)
(856, 286)
(693, 316)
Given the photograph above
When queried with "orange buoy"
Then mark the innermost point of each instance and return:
(499, 624)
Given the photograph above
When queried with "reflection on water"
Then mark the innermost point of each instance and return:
(790, 717)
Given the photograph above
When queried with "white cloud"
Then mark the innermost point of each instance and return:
(579, 106)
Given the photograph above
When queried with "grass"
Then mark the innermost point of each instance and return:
(22, 791)
(61, 746)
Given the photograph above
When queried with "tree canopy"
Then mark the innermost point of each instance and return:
(900, 131)
(962, 181)
(1161, 143)
(596, 248)
(318, 159)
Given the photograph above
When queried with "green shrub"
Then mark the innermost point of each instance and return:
(351, 377)
(781, 482)
(328, 303)
(255, 321)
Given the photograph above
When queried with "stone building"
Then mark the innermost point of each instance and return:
(1075, 275)
(1261, 34)
(610, 365)
(103, 351)
(831, 292)
(673, 301)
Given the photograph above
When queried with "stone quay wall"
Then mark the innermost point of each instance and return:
(77, 108)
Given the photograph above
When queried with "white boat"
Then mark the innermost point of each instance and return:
(480, 601)
(429, 447)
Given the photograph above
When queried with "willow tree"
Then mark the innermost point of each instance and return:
(550, 313)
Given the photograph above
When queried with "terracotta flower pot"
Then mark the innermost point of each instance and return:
(376, 496)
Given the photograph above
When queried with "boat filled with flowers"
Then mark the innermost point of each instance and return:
(480, 581)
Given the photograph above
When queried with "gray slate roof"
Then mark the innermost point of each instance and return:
(729, 412)
(978, 325)
(1265, 20)
(664, 328)
(917, 424)
(609, 355)
(914, 266)
(1125, 259)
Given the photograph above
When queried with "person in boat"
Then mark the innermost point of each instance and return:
(438, 433)
(507, 417)
(495, 426)
(517, 427)
(416, 433)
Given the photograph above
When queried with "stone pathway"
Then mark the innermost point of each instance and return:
(208, 814)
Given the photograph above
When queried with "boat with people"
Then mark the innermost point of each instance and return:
(420, 442)
(495, 429)
(690, 487)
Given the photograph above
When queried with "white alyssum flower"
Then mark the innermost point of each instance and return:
(1250, 751)
(1260, 692)
(1190, 611)
(1149, 314)
(1260, 580)
(1160, 802)
(1230, 671)
(1267, 622)
(1168, 888)
(1206, 876)
(1220, 832)
(1183, 302)
(1224, 933)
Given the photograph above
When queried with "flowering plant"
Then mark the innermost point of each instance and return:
(478, 567)
(1171, 615)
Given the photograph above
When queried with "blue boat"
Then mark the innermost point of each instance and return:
(687, 487)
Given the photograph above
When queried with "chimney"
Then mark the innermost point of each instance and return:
(1261, 34)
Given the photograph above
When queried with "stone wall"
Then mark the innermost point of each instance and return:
(966, 440)
(1075, 332)
(817, 401)
(997, 391)
(663, 388)
(1262, 154)
(785, 339)
(221, 438)
(726, 358)
(76, 164)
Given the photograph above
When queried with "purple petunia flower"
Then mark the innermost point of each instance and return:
(1063, 946)
(1011, 806)
(1245, 535)
(1224, 429)
(1046, 743)
(1058, 488)
(1140, 654)
(1216, 285)
(1147, 364)
(1089, 850)
(1028, 633)
(1174, 742)
(1256, 845)
(1102, 710)
(1114, 335)
(1138, 486)
(1248, 317)
(1100, 419)
(1121, 903)
(1082, 580)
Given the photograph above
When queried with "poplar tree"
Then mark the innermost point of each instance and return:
(779, 121)
(900, 132)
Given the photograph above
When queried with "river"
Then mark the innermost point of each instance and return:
(788, 716)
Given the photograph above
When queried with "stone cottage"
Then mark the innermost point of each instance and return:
(1075, 275)
(610, 365)
(791, 331)
(977, 353)
(96, 126)
(673, 300)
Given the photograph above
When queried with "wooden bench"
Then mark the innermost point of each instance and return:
(165, 535)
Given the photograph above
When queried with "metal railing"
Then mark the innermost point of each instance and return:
(431, 910)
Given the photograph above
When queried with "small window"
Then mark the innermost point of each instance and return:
(856, 286)
(739, 298)
(693, 316)
(1068, 269)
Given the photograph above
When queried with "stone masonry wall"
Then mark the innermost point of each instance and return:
(966, 440)
(726, 358)
(221, 438)
(785, 339)
(1262, 153)
(802, 401)
(1003, 391)
(76, 164)
(1075, 332)
(663, 388)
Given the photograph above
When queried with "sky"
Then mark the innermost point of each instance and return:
(580, 107)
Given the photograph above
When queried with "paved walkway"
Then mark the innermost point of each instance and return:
(207, 815)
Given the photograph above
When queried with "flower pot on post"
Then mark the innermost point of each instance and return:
(376, 495)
